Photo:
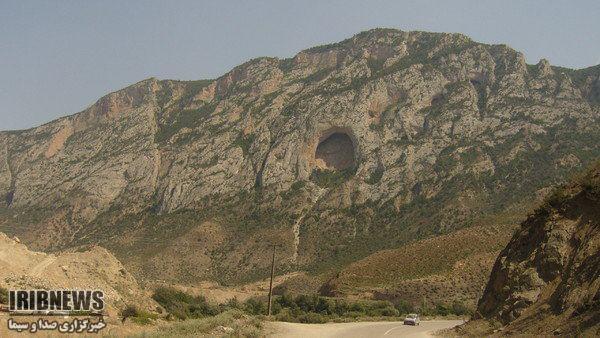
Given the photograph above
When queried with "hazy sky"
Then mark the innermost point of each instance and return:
(58, 57)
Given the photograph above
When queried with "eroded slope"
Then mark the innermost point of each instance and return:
(547, 279)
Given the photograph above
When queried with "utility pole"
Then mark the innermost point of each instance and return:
(271, 282)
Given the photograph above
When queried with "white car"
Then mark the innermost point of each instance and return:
(412, 319)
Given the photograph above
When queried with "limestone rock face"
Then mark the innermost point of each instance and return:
(443, 130)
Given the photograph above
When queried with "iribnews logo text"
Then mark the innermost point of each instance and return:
(56, 301)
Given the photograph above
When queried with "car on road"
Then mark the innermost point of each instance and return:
(412, 319)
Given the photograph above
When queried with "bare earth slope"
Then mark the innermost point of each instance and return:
(94, 269)
(418, 134)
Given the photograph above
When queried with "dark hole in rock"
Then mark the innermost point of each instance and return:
(336, 152)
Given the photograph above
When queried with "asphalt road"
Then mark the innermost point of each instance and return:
(359, 329)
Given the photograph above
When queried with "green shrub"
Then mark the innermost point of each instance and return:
(312, 318)
(129, 311)
(244, 142)
(304, 308)
(294, 190)
(183, 305)
(255, 306)
(341, 308)
(331, 179)
(285, 315)
(405, 307)
(557, 197)
(388, 311)
(144, 317)
(244, 326)
(353, 314)
(3, 295)
(286, 301)
(442, 309)
(357, 307)
(590, 180)
(375, 127)
(459, 308)
(375, 176)
(307, 303)
(234, 303)
(137, 316)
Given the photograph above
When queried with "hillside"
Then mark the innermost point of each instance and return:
(547, 279)
(341, 151)
(436, 270)
(94, 269)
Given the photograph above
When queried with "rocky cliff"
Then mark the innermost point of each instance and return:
(547, 279)
(338, 152)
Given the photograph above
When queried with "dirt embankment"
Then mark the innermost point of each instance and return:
(95, 268)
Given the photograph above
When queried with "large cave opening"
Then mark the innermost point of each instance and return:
(335, 152)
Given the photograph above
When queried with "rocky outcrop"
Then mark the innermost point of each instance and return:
(547, 279)
(443, 129)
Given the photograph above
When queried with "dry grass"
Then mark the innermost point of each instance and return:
(443, 269)
(424, 258)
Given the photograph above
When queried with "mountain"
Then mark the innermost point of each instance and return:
(344, 150)
(547, 279)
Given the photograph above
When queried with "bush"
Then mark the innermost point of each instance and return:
(243, 326)
(129, 311)
(388, 311)
(405, 307)
(442, 309)
(303, 308)
(286, 301)
(341, 307)
(331, 179)
(590, 180)
(353, 314)
(3, 295)
(459, 308)
(357, 307)
(144, 317)
(255, 306)
(312, 318)
(183, 305)
(244, 142)
(285, 315)
(375, 176)
(233, 303)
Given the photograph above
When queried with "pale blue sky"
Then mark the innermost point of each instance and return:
(57, 57)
